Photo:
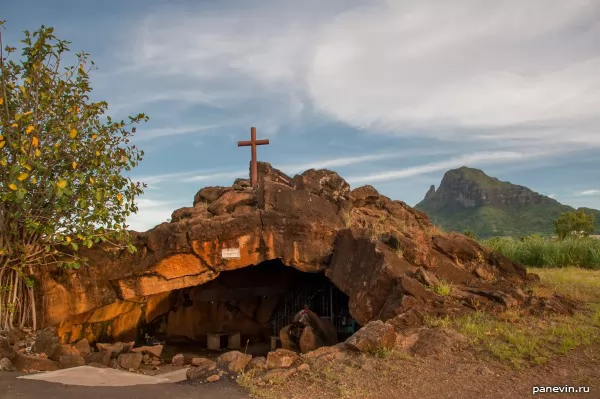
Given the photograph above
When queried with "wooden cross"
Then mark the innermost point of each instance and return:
(253, 143)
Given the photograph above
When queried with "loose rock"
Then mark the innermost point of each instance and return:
(68, 361)
(99, 358)
(114, 349)
(376, 335)
(83, 347)
(6, 350)
(155, 350)
(257, 363)
(201, 369)
(6, 365)
(130, 360)
(281, 358)
(46, 341)
(34, 363)
(178, 360)
(233, 361)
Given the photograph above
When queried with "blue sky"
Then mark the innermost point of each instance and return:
(388, 93)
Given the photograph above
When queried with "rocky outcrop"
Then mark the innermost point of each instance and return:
(469, 200)
(471, 188)
(369, 246)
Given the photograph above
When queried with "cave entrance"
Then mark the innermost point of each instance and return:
(255, 301)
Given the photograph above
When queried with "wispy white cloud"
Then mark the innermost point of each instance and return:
(464, 70)
(591, 192)
(215, 176)
(470, 160)
(148, 134)
(457, 71)
(357, 159)
(169, 177)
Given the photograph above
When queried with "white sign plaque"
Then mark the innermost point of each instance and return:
(230, 253)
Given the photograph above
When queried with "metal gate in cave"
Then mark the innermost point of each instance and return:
(326, 300)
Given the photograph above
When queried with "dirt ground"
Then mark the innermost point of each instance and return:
(467, 374)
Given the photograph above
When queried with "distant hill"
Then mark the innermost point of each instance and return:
(468, 199)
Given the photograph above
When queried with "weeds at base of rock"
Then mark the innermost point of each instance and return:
(528, 340)
(442, 288)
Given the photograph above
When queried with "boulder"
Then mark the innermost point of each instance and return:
(66, 349)
(83, 347)
(15, 335)
(322, 328)
(102, 358)
(68, 361)
(290, 336)
(309, 340)
(213, 378)
(46, 341)
(201, 369)
(155, 350)
(130, 360)
(437, 343)
(6, 349)
(115, 349)
(6, 365)
(376, 335)
(233, 361)
(281, 358)
(258, 363)
(25, 362)
(311, 222)
(178, 360)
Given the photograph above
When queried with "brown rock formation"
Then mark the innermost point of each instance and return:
(374, 249)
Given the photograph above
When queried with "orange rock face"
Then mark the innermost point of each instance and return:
(368, 245)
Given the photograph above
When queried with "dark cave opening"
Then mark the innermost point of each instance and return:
(255, 301)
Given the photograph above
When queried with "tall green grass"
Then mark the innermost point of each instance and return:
(536, 251)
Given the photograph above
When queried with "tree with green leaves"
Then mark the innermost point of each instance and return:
(574, 223)
(61, 164)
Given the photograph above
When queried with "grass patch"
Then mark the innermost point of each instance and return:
(442, 288)
(537, 251)
(524, 340)
(571, 282)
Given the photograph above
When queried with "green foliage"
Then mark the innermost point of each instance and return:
(574, 223)
(61, 159)
(493, 218)
(487, 221)
(442, 288)
(538, 251)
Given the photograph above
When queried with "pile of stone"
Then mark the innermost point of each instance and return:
(43, 351)
(281, 364)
